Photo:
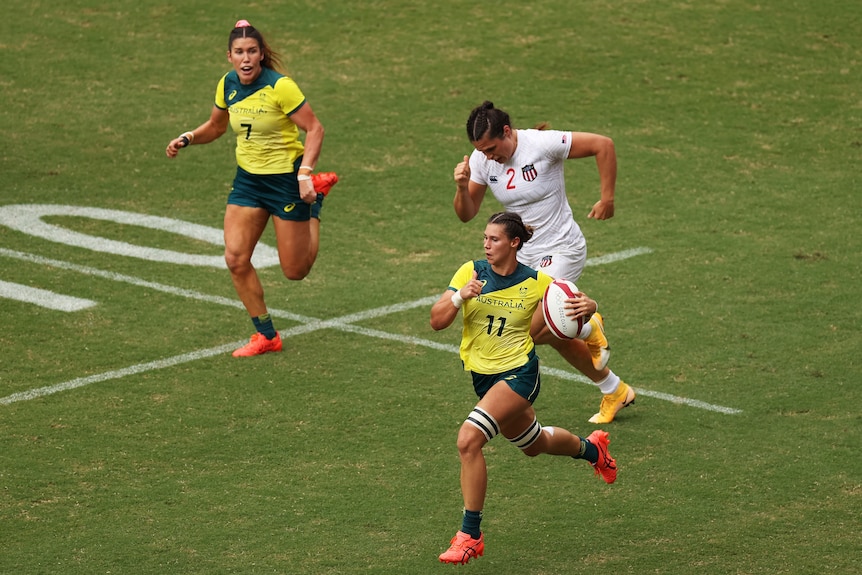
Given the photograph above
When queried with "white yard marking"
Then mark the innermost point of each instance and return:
(309, 324)
(27, 218)
(43, 297)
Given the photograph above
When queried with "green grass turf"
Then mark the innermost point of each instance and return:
(738, 128)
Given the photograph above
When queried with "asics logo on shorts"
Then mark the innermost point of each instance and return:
(289, 207)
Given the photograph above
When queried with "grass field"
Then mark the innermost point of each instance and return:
(132, 442)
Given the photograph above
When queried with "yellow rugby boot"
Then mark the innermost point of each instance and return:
(613, 402)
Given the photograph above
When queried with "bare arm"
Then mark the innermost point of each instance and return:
(307, 121)
(444, 311)
(210, 130)
(468, 194)
(584, 145)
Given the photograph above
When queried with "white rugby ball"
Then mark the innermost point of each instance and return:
(561, 325)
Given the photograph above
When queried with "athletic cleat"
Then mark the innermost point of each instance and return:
(613, 402)
(324, 181)
(598, 343)
(606, 466)
(463, 548)
(259, 345)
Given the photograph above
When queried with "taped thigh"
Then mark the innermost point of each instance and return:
(528, 437)
(484, 422)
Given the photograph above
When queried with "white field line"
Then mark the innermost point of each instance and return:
(43, 297)
(309, 324)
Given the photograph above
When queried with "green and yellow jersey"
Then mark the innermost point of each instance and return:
(496, 333)
(267, 141)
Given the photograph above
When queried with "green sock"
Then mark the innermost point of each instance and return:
(263, 324)
(470, 523)
(588, 451)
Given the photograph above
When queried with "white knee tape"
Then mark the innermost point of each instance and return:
(484, 422)
(528, 437)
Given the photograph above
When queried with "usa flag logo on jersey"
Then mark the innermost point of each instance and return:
(529, 172)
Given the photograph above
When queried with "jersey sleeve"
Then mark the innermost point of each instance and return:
(462, 276)
(556, 144)
(478, 168)
(219, 94)
(290, 97)
(543, 280)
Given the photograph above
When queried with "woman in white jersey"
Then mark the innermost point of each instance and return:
(524, 169)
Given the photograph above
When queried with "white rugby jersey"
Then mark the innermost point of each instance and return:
(532, 184)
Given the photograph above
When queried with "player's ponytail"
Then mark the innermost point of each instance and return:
(513, 225)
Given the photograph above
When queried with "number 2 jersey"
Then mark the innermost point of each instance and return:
(532, 183)
(267, 140)
(496, 333)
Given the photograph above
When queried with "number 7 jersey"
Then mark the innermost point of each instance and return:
(496, 332)
(267, 140)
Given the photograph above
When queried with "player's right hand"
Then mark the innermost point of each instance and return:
(473, 287)
(174, 147)
(462, 173)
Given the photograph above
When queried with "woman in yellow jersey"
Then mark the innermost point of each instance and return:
(498, 297)
(524, 170)
(266, 110)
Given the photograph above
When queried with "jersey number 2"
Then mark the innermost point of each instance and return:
(511, 173)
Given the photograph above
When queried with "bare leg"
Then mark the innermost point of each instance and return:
(243, 227)
(474, 473)
(298, 244)
(510, 410)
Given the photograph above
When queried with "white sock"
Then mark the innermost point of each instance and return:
(609, 384)
(586, 330)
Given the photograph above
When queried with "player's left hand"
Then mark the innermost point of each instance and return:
(306, 191)
(580, 306)
(602, 210)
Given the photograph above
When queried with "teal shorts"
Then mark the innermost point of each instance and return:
(278, 194)
(524, 380)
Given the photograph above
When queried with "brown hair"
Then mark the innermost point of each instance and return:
(486, 120)
(513, 225)
(271, 58)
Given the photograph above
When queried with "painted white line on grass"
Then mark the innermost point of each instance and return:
(95, 272)
(647, 393)
(28, 218)
(43, 297)
(308, 324)
(617, 256)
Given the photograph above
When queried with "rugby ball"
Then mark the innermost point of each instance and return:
(553, 308)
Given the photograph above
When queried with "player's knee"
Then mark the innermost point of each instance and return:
(295, 273)
(237, 262)
(479, 428)
(294, 268)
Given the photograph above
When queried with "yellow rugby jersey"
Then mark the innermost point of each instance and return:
(267, 141)
(496, 333)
